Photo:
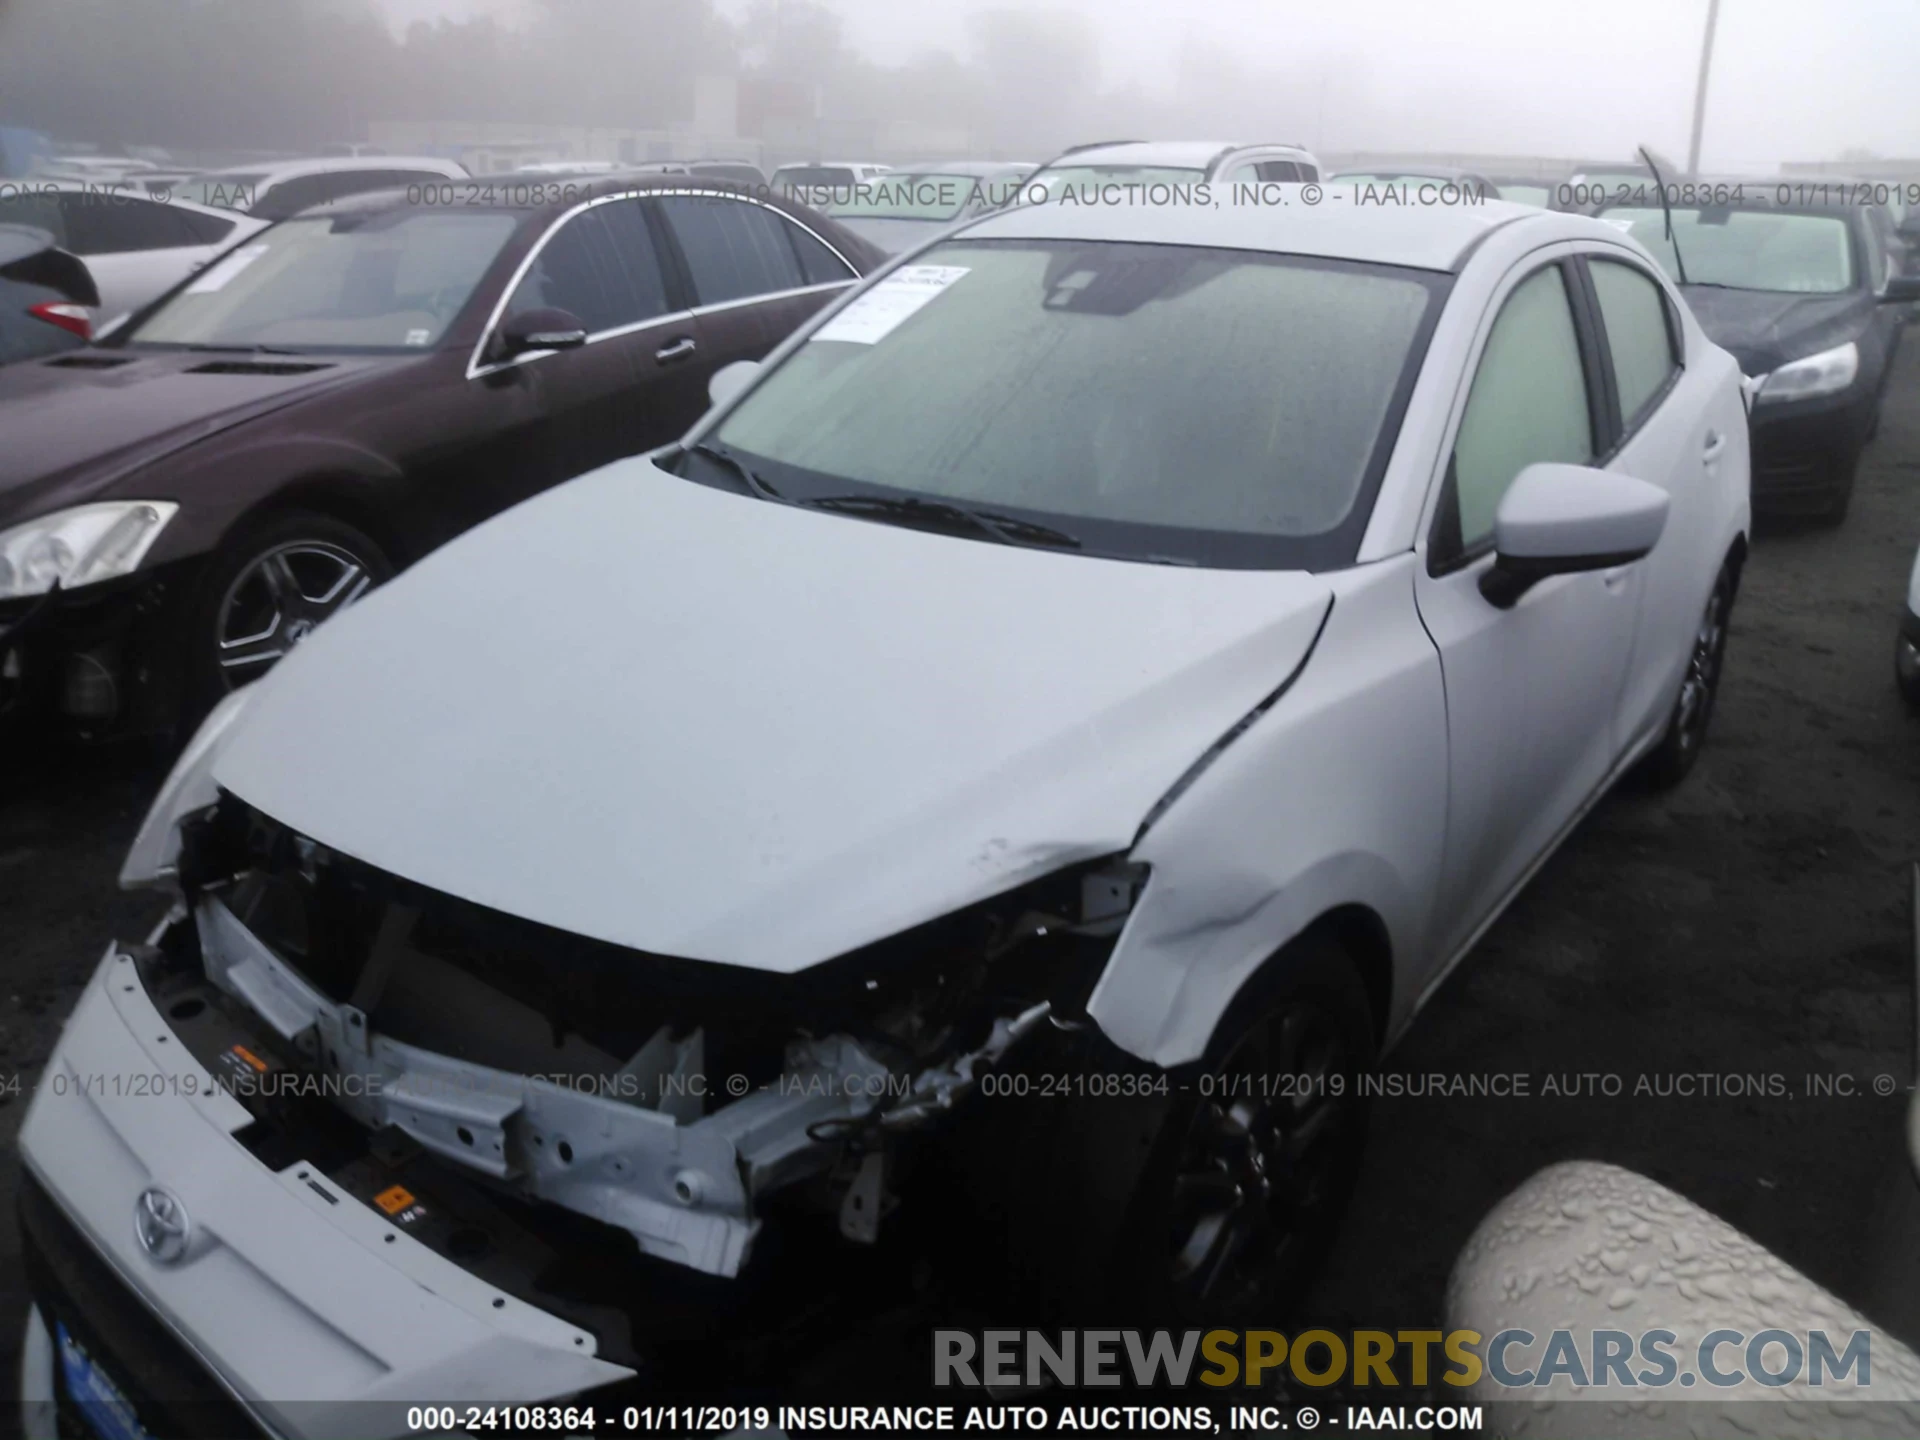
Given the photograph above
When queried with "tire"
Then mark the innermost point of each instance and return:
(322, 563)
(1673, 758)
(1140, 1199)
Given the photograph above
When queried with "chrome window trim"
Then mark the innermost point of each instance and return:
(476, 368)
(720, 305)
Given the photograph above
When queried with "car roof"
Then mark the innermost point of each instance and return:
(1164, 154)
(1158, 154)
(278, 170)
(1424, 237)
(963, 167)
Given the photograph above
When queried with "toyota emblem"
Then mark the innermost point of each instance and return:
(162, 1225)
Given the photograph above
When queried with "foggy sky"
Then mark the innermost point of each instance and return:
(1554, 77)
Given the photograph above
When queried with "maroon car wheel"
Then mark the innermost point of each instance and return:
(270, 588)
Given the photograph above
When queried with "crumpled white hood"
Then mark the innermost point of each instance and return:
(704, 725)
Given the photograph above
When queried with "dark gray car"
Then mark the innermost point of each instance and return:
(1802, 292)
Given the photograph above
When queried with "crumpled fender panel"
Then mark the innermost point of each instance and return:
(1335, 795)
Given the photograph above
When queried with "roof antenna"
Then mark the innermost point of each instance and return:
(1666, 208)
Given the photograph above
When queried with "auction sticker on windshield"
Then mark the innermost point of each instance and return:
(875, 315)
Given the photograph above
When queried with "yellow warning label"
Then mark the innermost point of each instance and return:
(394, 1199)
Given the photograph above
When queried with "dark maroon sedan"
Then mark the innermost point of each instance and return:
(185, 499)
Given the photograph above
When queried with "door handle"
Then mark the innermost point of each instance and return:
(1613, 579)
(676, 350)
(1716, 443)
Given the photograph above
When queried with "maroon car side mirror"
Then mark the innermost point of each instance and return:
(541, 329)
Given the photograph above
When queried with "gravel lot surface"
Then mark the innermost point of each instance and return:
(1752, 924)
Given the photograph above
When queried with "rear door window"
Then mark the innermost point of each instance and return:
(818, 264)
(1639, 335)
(734, 250)
(641, 289)
(99, 223)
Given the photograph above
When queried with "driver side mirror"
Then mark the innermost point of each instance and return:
(1566, 520)
(540, 329)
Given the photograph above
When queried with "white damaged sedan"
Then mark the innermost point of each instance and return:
(1124, 652)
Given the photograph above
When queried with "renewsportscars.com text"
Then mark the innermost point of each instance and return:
(1516, 1359)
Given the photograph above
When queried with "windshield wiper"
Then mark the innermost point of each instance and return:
(1005, 528)
(756, 487)
(941, 514)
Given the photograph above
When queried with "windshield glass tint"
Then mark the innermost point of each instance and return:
(1217, 407)
(1748, 249)
(921, 197)
(393, 280)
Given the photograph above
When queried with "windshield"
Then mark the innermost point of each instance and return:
(1803, 254)
(1154, 402)
(1113, 184)
(389, 280)
(922, 196)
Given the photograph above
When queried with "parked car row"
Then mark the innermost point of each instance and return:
(1143, 641)
(373, 299)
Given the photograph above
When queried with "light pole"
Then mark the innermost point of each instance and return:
(1700, 89)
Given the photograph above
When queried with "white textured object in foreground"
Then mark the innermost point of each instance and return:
(1584, 1246)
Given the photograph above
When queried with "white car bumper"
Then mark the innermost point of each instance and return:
(294, 1302)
